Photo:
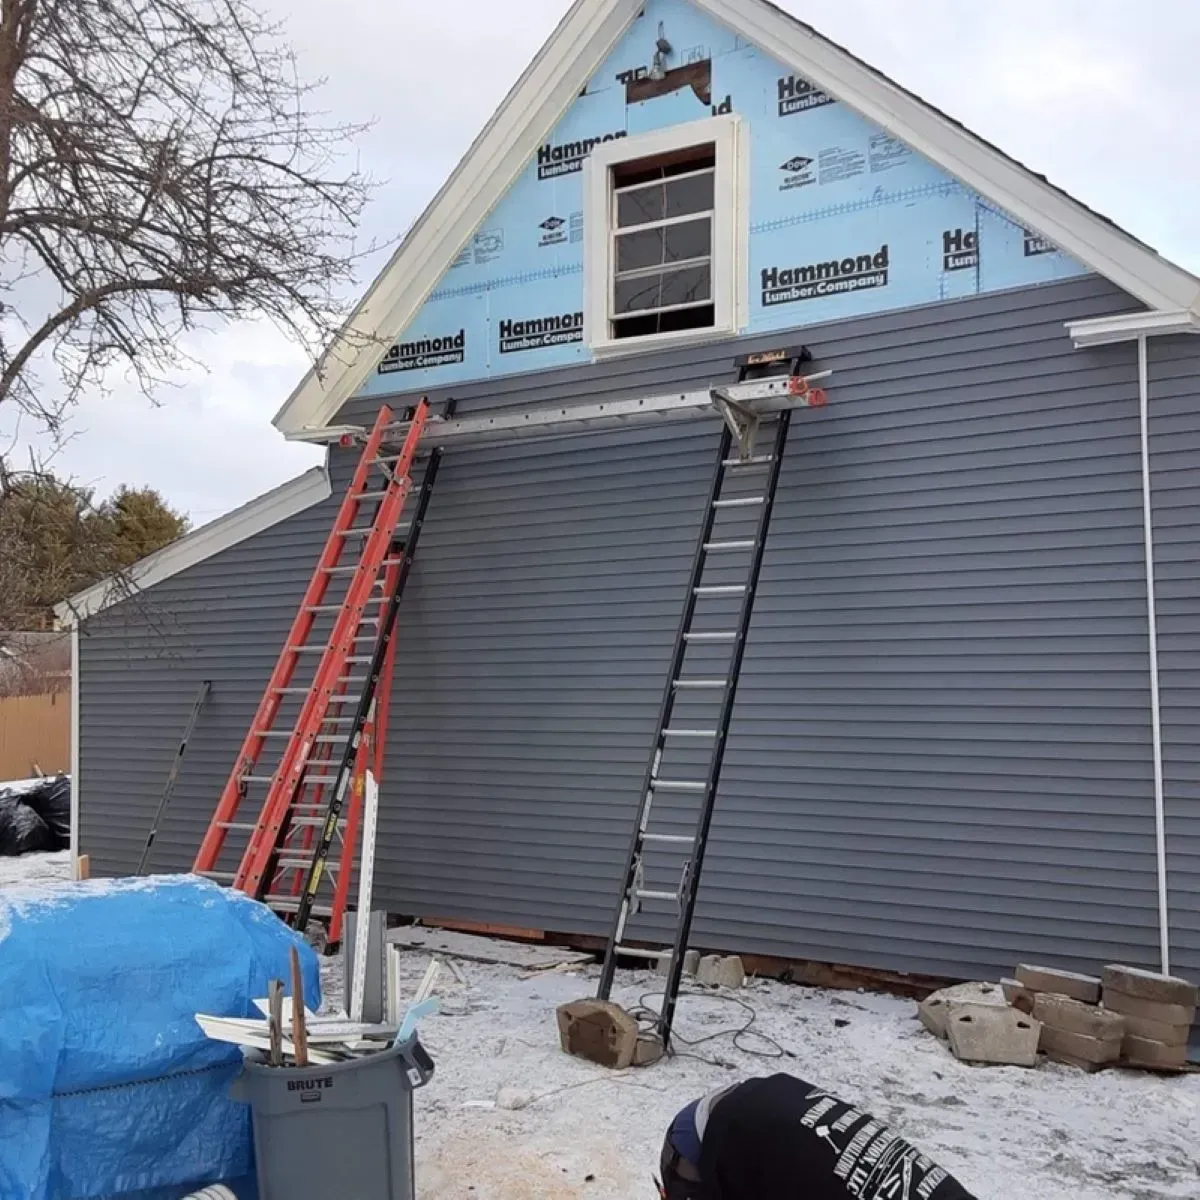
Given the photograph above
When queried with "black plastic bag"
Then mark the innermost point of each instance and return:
(22, 831)
(51, 800)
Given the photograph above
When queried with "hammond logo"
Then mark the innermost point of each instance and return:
(960, 249)
(785, 285)
(428, 352)
(1035, 244)
(567, 157)
(539, 333)
(797, 95)
(797, 173)
(310, 1089)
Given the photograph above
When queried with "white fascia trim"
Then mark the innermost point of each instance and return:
(1033, 202)
(277, 505)
(583, 40)
(1129, 327)
(75, 794)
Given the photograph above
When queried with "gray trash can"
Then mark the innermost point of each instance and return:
(343, 1131)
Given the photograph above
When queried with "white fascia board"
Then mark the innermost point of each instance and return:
(1128, 327)
(1033, 202)
(583, 40)
(277, 505)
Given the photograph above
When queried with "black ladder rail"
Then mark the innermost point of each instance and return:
(366, 703)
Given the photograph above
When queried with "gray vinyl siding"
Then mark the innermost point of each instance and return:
(941, 753)
(1175, 478)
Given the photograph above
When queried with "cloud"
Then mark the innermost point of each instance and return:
(1091, 93)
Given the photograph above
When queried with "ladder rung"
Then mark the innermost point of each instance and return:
(217, 876)
(646, 895)
(236, 825)
(730, 589)
(314, 822)
(669, 839)
(307, 778)
(740, 502)
(679, 785)
(719, 547)
(337, 608)
(700, 684)
(284, 863)
(368, 495)
(690, 733)
(759, 460)
(636, 952)
(292, 904)
(387, 562)
(724, 635)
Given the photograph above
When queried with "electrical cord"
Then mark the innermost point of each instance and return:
(648, 1016)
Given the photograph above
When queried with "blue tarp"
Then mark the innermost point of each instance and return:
(107, 1085)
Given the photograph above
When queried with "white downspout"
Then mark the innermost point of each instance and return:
(1160, 819)
(75, 749)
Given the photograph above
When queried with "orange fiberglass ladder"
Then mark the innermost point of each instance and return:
(329, 720)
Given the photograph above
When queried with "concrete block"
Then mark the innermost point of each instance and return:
(1061, 1046)
(1072, 1016)
(1158, 1056)
(599, 1031)
(933, 1009)
(1148, 1010)
(993, 1034)
(648, 1051)
(691, 963)
(1156, 1031)
(707, 969)
(1085, 988)
(1147, 985)
(1017, 995)
(731, 973)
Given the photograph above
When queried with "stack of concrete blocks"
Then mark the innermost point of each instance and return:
(980, 1027)
(1075, 1030)
(1157, 1013)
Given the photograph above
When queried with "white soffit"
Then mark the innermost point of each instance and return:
(1126, 327)
(562, 69)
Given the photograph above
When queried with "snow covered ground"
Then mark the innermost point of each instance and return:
(577, 1130)
(1047, 1134)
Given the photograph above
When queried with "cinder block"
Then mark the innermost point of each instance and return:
(932, 1011)
(599, 1031)
(1158, 1056)
(707, 969)
(1147, 1010)
(1073, 1016)
(1062, 1046)
(731, 973)
(1019, 996)
(1147, 985)
(993, 1034)
(1085, 988)
(691, 962)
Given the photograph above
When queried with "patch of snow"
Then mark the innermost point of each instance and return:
(17, 786)
(35, 870)
(583, 1131)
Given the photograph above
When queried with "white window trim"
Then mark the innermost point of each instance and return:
(730, 243)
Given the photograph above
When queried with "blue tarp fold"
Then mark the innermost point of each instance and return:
(107, 1085)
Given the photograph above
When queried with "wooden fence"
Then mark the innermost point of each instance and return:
(35, 733)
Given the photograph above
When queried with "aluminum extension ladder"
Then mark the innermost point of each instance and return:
(679, 790)
(320, 727)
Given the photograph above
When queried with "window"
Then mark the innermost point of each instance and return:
(665, 248)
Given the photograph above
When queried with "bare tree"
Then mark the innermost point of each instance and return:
(160, 166)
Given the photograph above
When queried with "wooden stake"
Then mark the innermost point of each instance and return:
(299, 1025)
(275, 1021)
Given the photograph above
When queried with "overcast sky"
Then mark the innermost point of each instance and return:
(1099, 95)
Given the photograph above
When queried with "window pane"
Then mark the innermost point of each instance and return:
(670, 198)
(693, 194)
(641, 207)
(667, 244)
(690, 285)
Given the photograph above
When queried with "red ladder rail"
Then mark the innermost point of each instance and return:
(251, 876)
(268, 708)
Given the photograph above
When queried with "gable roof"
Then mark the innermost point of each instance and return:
(583, 40)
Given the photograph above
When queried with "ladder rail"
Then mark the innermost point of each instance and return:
(368, 699)
(253, 875)
(666, 708)
(716, 762)
(285, 667)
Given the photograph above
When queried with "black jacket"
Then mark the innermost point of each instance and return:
(784, 1139)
